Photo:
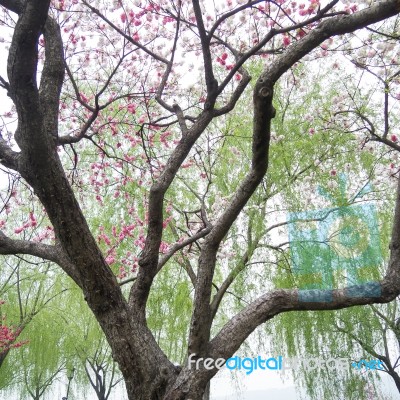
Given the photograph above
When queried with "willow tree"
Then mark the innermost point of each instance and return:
(357, 333)
(25, 291)
(106, 79)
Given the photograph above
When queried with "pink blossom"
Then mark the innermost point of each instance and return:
(122, 273)
(286, 41)
(131, 108)
(110, 260)
(164, 247)
(83, 98)
(32, 218)
(166, 222)
(301, 33)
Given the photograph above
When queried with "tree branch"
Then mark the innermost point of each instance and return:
(211, 82)
(8, 157)
(122, 33)
(240, 60)
(179, 246)
(52, 76)
(12, 5)
(263, 113)
(150, 255)
(278, 301)
(228, 340)
(55, 254)
(169, 68)
(246, 78)
(202, 313)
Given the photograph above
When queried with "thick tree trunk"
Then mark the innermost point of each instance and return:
(193, 388)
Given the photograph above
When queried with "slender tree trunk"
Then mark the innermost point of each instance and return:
(207, 392)
(3, 356)
(396, 379)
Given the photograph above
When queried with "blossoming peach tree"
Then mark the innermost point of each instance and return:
(115, 136)
(8, 337)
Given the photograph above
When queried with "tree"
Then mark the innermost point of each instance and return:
(27, 294)
(66, 343)
(31, 370)
(123, 102)
(343, 335)
(359, 332)
(8, 337)
(87, 351)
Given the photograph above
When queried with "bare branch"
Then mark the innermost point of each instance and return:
(211, 82)
(4, 84)
(128, 280)
(76, 90)
(272, 33)
(181, 119)
(235, 95)
(55, 254)
(169, 67)
(394, 37)
(229, 14)
(228, 340)
(122, 33)
(178, 246)
(278, 301)
(149, 260)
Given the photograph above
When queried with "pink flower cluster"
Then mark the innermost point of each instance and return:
(8, 336)
(31, 223)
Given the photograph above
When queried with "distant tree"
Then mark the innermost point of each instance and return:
(27, 292)
(8, 337)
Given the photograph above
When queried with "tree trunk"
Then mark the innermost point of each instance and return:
(396, 378)
(3, 356)
(207, 392)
